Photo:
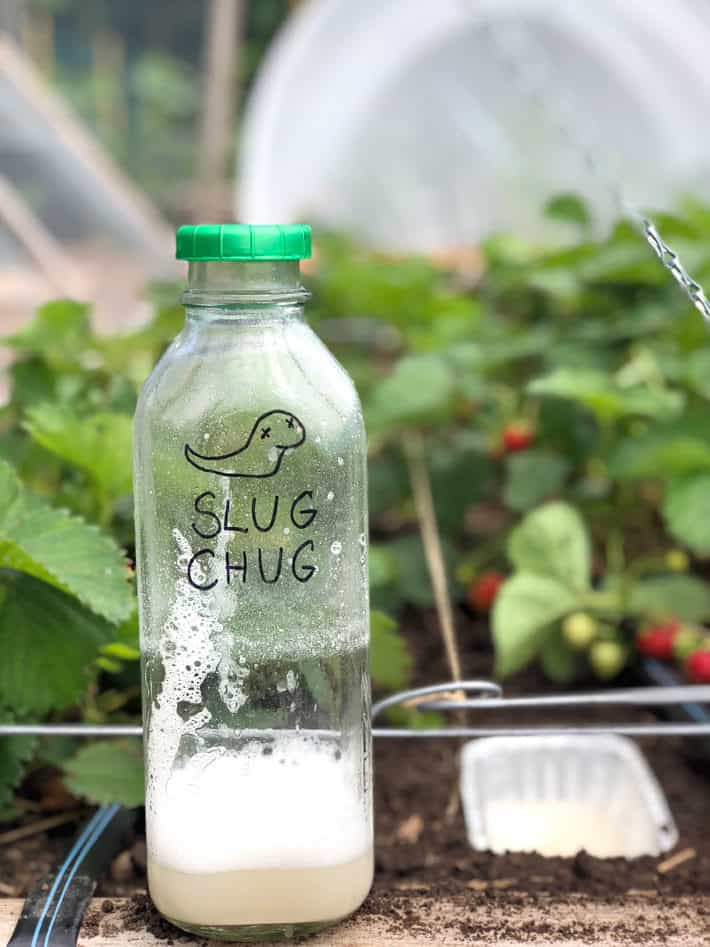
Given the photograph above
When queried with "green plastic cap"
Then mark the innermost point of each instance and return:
(244, 242)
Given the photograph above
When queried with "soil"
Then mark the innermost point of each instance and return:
(422, 852)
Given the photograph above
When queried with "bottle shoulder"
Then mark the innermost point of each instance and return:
(204, 374)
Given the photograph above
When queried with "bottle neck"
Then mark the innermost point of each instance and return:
(244, 285)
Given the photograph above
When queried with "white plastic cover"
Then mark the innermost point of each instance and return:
(415, 125)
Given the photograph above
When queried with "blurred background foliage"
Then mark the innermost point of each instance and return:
(136, 79)
(561, 395)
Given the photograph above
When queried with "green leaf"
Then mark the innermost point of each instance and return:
(320, 683)
(598, 392)
(413, 719)
(697, 371)
(672, 596)
(53, 750)
(60, 333)
(659, 454)
(461, 475)
(523, 611)
(559, 662)
(121, 651)
(533, 476)
(99, 444)
(390, 661)
(624, 259)
(412, 583)
(128, 632)
(382, 565)
(48, 643)
(552, 541)
(110, 771)
(419, 391)
(133, 354)
(32, 381)
(685, 509)
(61, 549)
(15, 752)
(570, 208)
(388, 482)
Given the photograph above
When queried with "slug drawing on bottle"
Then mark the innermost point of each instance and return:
(260, 456)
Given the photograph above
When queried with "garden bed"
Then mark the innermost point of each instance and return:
(430, 887)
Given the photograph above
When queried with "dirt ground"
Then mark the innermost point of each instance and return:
(421, 847)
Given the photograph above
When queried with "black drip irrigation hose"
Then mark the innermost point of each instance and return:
(54, 909)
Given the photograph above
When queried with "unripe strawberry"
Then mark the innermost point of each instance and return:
(607, 659)
(697, 667)
(676, 560)
(517, 436)
(656, 641)
(483, 591)
(465, 572)
(579, 630)
(685, 642)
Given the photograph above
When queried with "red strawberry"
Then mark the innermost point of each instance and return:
(482, 592)
(697, 667)
(517, 436)
(657, 640)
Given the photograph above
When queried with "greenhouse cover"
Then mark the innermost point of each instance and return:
(425, 125)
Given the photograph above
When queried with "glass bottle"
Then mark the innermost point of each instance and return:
(251, 534)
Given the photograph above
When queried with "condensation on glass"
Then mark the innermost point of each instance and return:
(250, 489)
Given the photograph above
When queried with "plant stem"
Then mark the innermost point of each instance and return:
(41, 825)
(429, 530)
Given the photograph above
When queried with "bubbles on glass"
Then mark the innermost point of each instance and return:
(336, 548)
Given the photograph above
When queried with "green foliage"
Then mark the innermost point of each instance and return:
(659, 451)
(552, 542)
(671, 596)
(686, 501)
(524, 611)
(559, 662)
(166, 87)
(609, 400)
(590, 346)
(58, 335)
(15, 752)
(418, 392)
(99, 445)
(390, 661)
(382, 566)
(550, 551)
(108, 771)
(48, 642)
(531, 477)
(403, 576)
(61, 550)
(570, 208)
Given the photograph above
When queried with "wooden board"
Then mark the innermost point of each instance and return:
(636, 920)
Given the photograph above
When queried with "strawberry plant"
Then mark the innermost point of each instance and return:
(553, 609)
(541, 416)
